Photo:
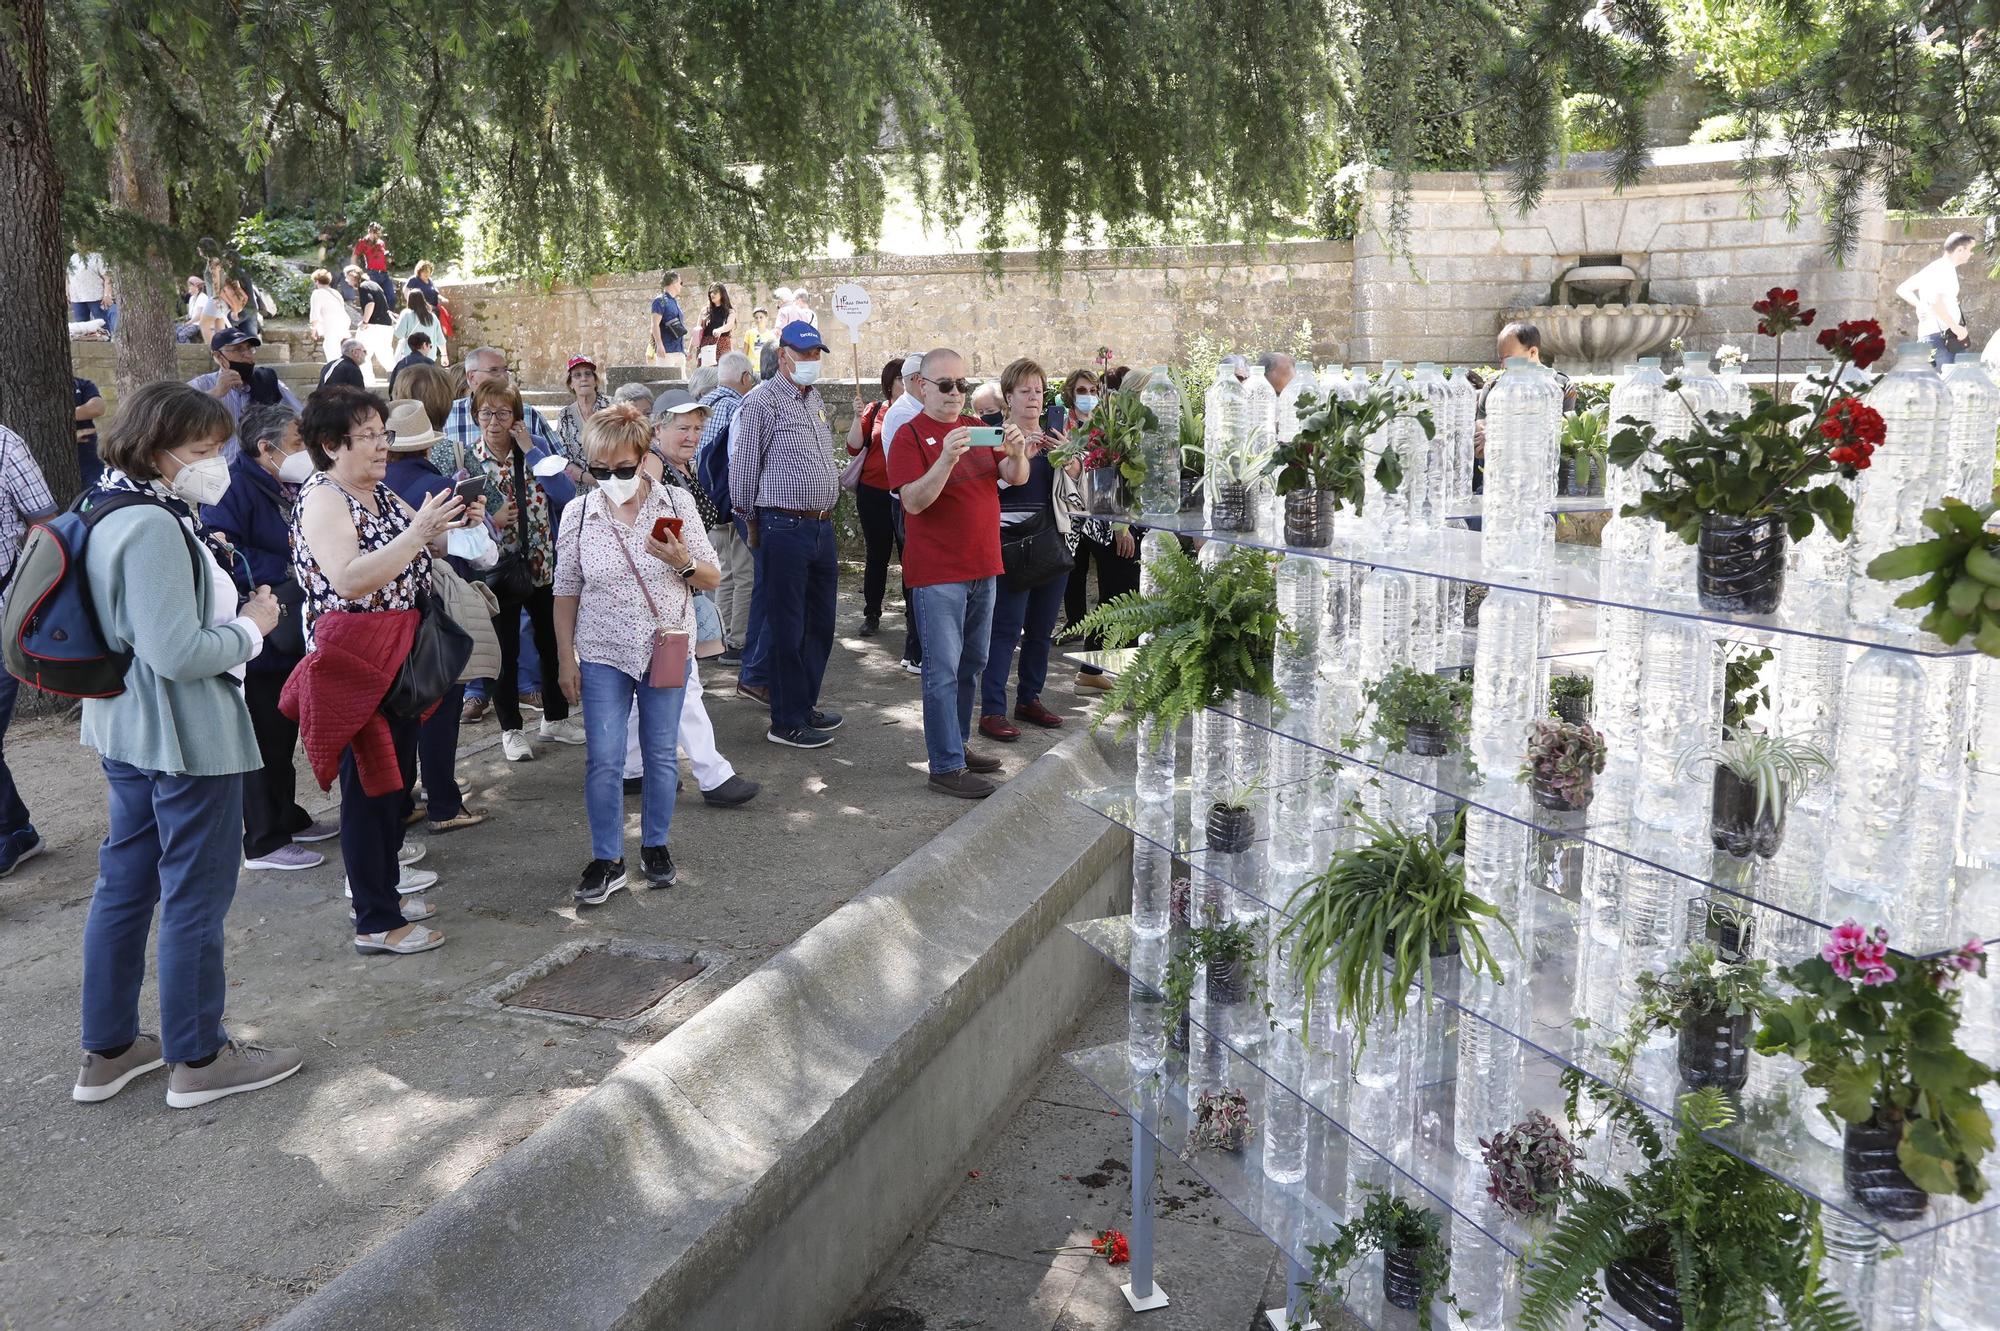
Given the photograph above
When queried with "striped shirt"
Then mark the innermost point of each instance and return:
(782, 456)
(26, 496)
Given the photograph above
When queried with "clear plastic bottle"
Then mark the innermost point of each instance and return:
(1146, 1024)
(1736, 398)
(1260, 433)
(1906, 475)
(1160, 493)
(1979, 846)
(1488, 1092)
(1226, 490)
(1507, 686)
(1387, 512)
(1975, 415)
(1621, 632)
(1523, 422)
(1700, 394)
(1434, 391)
(1638, 397)
(1153, 869)
(1805, 700)
(1816, 568)
(1387, 601)
(1875, 784)
(1962, 1288)
(1302, 585)
(1285, 1060)
(1155, 743)
(1680, 705)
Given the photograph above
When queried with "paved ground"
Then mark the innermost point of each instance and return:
(129, 1214)
(1057, 1174)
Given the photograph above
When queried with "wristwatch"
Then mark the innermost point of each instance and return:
(687, 572)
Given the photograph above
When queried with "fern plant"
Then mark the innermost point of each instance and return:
(1204, 634)
(1743, 1247)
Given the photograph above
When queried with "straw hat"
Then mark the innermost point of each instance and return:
(411, 425)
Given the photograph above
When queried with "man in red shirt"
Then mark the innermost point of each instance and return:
(950, 491)
(373, 255)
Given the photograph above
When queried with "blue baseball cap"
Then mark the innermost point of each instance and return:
(232, 337)
(800, 336)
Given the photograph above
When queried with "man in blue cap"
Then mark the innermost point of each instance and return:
(237, 381)
(784, 483)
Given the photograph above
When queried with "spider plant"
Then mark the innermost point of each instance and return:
(1757, 776)
(1373, 919)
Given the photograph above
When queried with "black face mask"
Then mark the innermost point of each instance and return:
(993, 417)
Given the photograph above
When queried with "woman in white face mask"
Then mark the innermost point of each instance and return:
(629, 557)
(174, 746)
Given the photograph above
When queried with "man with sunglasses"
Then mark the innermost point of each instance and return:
(784, 483)
(949, 480)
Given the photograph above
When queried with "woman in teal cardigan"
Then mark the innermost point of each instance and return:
(174, 746)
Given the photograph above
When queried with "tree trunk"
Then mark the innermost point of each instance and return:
(145, 286)
(35, 381)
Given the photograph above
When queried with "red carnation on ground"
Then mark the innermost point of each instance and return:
(1859, 341)
(1111, 1246)
(1779, 313)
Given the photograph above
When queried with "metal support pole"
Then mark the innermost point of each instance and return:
(1298, 1291)
(1142, 1293)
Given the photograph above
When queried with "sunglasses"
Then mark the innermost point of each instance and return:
(955, 385)
(624, 473)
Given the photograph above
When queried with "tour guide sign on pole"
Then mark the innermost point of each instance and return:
(851, 306)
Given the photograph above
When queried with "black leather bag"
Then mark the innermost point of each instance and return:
(438, 652)
(1033, 554)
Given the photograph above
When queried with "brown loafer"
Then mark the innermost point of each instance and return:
(980, 762)
(753, 692)
(1000, 728)
(1035, 714)
(962, 784)
(1099, 681)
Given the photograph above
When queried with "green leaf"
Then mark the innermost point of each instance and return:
(1850, 1092)
(1910, 560)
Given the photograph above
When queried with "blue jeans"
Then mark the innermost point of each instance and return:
(1035, 611)
(957, 623)
(607, 701)
(798, 579)
(1941, 351)
(529, 673)
(172, 843)
(80, 311)
(13, 813)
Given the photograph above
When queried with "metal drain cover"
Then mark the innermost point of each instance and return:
(605, 985)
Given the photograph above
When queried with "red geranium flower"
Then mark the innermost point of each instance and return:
(1855, 429)
(1779, 313)
(1111, 1246)
(1856, 340)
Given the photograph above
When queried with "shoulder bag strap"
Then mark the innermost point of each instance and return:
(521, 500)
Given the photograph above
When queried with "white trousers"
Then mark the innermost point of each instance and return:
(711, 769)
(376, 338)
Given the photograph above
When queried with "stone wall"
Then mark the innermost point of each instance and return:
(1141, 303)
(1689, 230)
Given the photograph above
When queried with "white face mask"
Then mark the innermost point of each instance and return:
(621, 492)
(805, 373)
(296, 468)
(202, 482)
(1086, 403)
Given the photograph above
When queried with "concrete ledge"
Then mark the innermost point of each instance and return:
(757, 1166)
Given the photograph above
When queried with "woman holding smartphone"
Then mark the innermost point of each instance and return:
(1025, 615)
(630, 557)
(1112, 547)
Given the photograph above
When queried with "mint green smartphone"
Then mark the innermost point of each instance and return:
(987, 436)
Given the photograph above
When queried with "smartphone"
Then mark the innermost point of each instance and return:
(987, 436)
(470, 490)
(1054, 418)
(665, 527)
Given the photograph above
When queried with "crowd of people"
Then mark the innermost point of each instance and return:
(592, 563)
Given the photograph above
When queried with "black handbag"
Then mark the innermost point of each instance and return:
(513, 578)
(439, 650)
(1033, 553)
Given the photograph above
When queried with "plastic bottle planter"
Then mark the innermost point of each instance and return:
(1735, 825)
(1190, 490)
(1426, 741)
(1229, 507)
(1548, 797)
(1402, 1282)
(1105, 493)
(1228, 981)
(1230, 829)
(1875, 1178)
(1740, 566)
(1566, 477)
(1177, 1037)
(1572, 709)
(1731, 929)
(1309, 518)
(1645, 1288)
(1715, 1049)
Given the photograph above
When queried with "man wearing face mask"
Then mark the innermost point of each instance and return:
(237, 381)
(784, 483)
(253, 516)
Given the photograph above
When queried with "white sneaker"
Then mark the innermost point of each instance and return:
(411, 852)
(516, 746)
(410, 881)
(909, 667)
(569, 730)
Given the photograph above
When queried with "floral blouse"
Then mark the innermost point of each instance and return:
(613, 626)
(372, 531)
(541, 528)
(569, 428)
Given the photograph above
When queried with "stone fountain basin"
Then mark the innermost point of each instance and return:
(1606, 335)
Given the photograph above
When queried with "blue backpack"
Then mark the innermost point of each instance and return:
(711, 469)
(49, 633)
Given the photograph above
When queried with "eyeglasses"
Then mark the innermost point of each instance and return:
(494, 416)
(624, 473)
(954, 385)
(371, 438)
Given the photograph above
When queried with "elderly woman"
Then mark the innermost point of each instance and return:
(174, 747)
(582, 381)
(1113, 547)
(255, 517)
(1025, 615)
(625, 582)
(360, 553)
(327, 313)
(524, 520)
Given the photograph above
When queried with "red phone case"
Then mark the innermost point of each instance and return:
(665, 525)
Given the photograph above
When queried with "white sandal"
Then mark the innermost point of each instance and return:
(415, 908)
(419, 939)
